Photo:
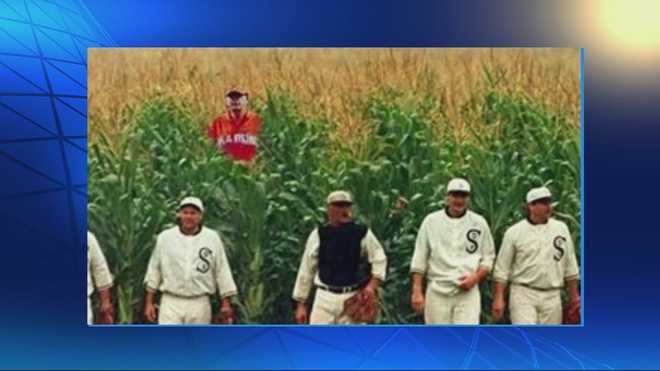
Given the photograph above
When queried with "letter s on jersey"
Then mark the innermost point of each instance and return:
(204, 254)
(559, 242)
(472, 236)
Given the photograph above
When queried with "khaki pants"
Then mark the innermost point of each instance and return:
(462, 308)
(328, 308)
(177, 310)
(90, 315)
(533, 307)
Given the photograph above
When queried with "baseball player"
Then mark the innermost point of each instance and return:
(188, 265)
(100, 279)
(336, 260)
(235, 132)
(454, 251)
(537, 257)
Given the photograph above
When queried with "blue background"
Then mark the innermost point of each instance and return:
(43, 88)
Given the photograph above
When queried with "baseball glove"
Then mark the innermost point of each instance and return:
(362, 307)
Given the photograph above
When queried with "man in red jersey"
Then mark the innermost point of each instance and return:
(235, 132)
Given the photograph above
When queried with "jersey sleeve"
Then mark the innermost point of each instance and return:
(488, 248)
(308, 268)
(571, 269)
(375, 255)
(505, 258)
(419, 262)
(153, 277)
(224, 277)
(98, 265)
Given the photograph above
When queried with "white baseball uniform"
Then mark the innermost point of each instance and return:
(328, 306)
(446, 250)
(98, 273)
(537, 259)
(187, 269)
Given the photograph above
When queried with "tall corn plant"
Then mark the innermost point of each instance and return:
(244, 204)
(297, 176)
(125, 215)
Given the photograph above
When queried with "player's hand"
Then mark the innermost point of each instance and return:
(468, 281)
(417, 302)
(301, 313)
(150, 312)
(498, 309)
(226, 314)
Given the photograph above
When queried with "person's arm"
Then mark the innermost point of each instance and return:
(106, 308)
(102, 280)
(501, 275)
(498, 300)
(572, 275)
(226, 285)
(376, 256)
(152, 281)
(305, 278)
(418, 267)
(99, 266)
(572, 286)
(150, 313)
(417, 297)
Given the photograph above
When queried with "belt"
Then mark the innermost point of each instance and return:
(341, 289)
(186, 297)
(537, 288)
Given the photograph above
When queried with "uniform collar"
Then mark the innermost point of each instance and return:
(529, 220)
(455, 217)
(230, 118)
(340, 224)
(190, 235)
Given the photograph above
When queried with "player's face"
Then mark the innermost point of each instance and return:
(339, 212)
(457, 202)
(540, 210)
(190, 217)
(236, 104)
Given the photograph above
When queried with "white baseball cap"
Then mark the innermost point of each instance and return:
(538, 193)
(339, 196)
(458, 185)
(192, 201)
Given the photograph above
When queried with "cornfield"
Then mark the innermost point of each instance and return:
(385, 125)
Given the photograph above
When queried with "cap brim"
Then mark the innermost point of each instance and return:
(340, 203)
(193, 205)
(235, 94)
(549, 198)
(459, 191)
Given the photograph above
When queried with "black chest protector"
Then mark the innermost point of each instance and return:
(340, 260)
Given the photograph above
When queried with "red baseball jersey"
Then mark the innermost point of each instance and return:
(238, 139)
